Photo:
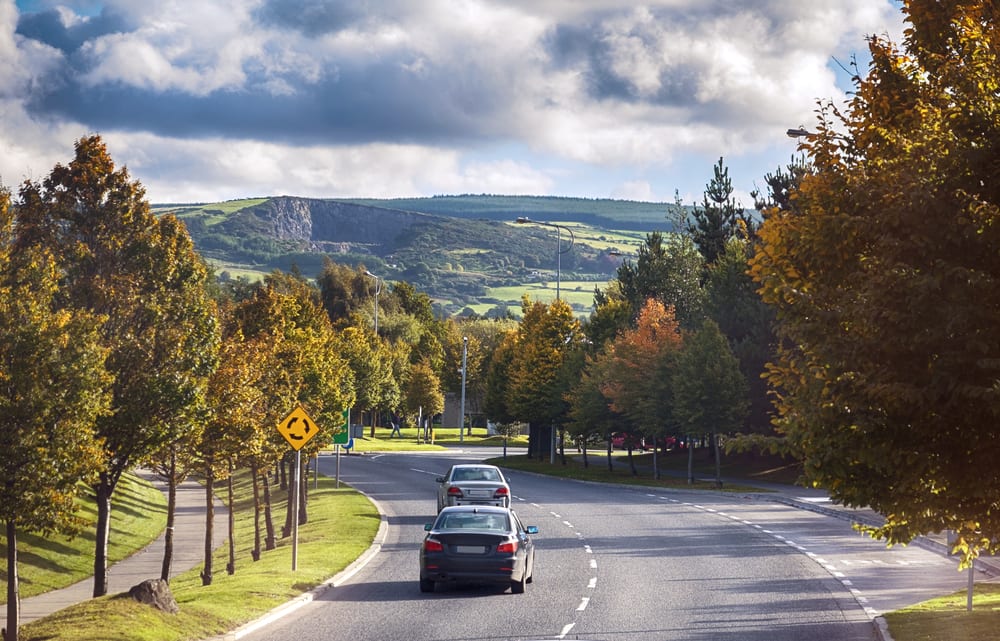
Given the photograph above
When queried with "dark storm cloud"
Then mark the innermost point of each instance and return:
(311, 17)
(48, 27)
(377, 103)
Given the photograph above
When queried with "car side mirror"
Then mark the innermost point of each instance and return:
(430, 526)
(531, 529)
(440, 479)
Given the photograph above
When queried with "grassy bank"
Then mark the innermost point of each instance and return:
(341, 525)
(45, 563)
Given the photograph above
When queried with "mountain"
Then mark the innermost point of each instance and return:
(464, 251)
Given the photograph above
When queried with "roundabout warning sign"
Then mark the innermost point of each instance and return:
(297, 428)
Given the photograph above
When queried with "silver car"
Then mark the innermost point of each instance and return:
(473, 484)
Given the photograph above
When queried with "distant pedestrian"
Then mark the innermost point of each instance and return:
(395, 428)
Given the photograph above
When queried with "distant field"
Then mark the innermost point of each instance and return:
(573, 292)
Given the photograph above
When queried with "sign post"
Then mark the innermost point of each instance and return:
(298, 429)
(342, 437)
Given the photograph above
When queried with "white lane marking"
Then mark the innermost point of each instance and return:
(583, 604)
(565, 631)
(567, 524)
(593, 564)
(588, 549)
(592, 583)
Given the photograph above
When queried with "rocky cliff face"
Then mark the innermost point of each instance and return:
(318, 223)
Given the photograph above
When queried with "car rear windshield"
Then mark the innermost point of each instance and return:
(472, 521)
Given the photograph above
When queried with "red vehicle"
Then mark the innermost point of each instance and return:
(621, 440)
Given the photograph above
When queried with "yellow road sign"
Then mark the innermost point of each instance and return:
(297, 428)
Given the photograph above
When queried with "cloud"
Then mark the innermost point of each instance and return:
(597, 82)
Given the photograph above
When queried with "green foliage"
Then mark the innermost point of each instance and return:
(714, 224)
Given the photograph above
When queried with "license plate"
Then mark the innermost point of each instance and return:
(469, 549)
(481, 493)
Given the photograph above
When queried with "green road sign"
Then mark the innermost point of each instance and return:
(341, 436)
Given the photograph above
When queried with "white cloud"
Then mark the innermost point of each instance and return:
(208, 99)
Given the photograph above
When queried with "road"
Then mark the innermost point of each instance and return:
(621, 563)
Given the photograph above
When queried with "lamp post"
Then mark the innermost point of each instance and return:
(461, 419)
(378, 288)
(524, 220)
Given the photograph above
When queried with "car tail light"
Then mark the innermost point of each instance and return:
(433, 545)
(455, 492)
(507, 547)
(501, 493)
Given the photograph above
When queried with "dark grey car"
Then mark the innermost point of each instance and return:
(473, 484)
(470, 544)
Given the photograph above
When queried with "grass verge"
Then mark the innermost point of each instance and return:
(947, 619)
(341, 525)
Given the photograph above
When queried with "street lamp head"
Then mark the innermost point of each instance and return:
(799, 132)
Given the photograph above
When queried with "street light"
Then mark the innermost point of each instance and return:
(799, 132)
(461, 420)
(524, 220)
(378, 288)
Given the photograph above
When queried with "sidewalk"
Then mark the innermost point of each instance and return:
(189, 546)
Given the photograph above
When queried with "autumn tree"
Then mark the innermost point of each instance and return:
(423, 391)
(53, 388)
(535, 390)
(885, 275)
(640, 362)
(141, 274)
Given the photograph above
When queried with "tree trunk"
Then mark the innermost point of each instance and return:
(231, 530)
(690, 461)
(286, 529)
(270, 542)
(718, 460)
(611, 465)
(13, 587)
(206, 573)
(255, 473)
(168, 535)
(103, 491)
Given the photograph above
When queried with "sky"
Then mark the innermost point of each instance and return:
(210, 100)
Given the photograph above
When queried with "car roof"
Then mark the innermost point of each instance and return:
(492, 467)
(485, 509)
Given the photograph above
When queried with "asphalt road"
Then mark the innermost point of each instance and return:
(621, 563)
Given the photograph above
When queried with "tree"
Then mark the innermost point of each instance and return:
(53, 387)
(638, 381)
(885, 275)
(709, 391)
(733, 302)
(423, 392)
(668, 269)
(717, 220)
(535, 390)
(142, 275)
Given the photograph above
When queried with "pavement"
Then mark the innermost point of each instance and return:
(189, 528)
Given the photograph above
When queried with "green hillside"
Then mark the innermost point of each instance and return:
(466, 252)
